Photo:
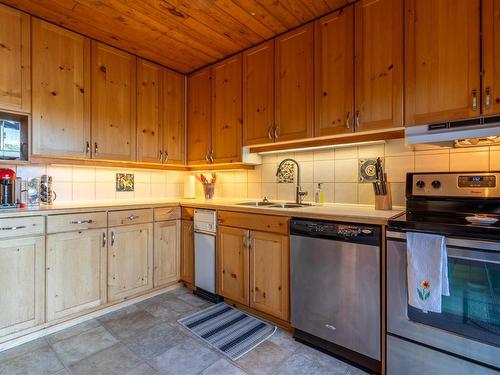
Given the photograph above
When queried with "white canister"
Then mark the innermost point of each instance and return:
(189, 187)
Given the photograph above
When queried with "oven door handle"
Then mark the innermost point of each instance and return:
(455, 242)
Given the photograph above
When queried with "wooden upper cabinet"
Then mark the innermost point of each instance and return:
(258, 94)
(172, 117)
(148, 113)
(491, 57)
(378, 64)
(294, 84)
(199, 128)
(226, 110)
(334, 73)
(442, 60)
(15, 85)
(113, 103)
(61, 92)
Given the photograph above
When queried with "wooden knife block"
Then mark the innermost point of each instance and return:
(384, 202)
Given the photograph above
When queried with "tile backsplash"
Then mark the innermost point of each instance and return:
(74, 183)
(336, 169)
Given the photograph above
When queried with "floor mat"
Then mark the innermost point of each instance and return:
(228, 329)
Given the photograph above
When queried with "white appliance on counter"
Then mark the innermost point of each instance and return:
(205, 229)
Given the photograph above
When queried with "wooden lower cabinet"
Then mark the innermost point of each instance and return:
(269, 273)
(232, 263)
(130, 260)
(166, 253)
(187, 251)
(253, 269)
(22, 280)
(76, 272)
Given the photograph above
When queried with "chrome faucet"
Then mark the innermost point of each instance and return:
(299, 194)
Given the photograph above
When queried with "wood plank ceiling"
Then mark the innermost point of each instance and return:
(181, 34)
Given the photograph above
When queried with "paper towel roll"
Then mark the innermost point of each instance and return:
(189, 188)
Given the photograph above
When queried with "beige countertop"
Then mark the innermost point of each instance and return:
(330, 211)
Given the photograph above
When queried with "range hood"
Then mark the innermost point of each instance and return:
(485, 128)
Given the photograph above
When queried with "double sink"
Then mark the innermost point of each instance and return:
(274, 204)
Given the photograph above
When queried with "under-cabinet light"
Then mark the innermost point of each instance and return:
(316, 148)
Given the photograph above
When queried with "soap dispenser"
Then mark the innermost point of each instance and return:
(319, 196)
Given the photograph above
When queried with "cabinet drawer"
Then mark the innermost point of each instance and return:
(167, 213)
(21, 226)
(127, 217)
(80, 221)
(266, 223)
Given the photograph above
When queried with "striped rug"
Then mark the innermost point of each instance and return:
(229, 330)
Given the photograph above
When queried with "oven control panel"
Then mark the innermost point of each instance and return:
(481, 185)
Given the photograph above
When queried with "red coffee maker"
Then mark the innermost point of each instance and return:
(7, 188)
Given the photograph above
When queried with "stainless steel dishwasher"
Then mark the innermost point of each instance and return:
(335, 288)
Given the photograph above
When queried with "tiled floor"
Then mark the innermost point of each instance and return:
(145, 339)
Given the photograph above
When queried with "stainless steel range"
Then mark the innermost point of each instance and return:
(465, 337)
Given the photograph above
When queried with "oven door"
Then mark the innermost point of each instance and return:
(469, 325)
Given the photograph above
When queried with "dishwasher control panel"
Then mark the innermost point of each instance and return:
(369, 234)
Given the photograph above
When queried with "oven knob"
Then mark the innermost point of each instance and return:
(436, 184)
(420, 184)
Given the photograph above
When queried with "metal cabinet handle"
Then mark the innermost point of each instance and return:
(95, 148)
(276, 132)
(207, 158)
(250, 239)
(211, 156)
(132, 217)
(487, 98)
(103, 239)
(112, 238)
(348, 120)
(90, 221)
(161, 156)
(87, 148)
(474, 100)
(165, 156)
(269, 132)
(14, 228)
(358, 119)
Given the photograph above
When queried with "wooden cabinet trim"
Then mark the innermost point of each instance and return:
(22, 226)
(167, 213)
(491, 56)
(77, 221)
(130, 217)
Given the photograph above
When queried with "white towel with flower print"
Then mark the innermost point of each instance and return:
(427, 271)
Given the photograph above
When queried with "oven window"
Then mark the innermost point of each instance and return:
(473, 307)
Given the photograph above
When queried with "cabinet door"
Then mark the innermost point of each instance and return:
(334, 73)
(199, 125)
(232, 263)
(269, 273)
(76, 272)
(378, 64)
(258, 94)
(148, 113)
(130, 260)
(187, 252)
(491, 57)
(22, 277)
(15, 84)
(166, 252)
(294, 84)
(172, 117)
(113, 103)
(442, 60)
(61, 92)
(226, 110)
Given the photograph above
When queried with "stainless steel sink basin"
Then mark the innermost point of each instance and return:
(290, 205)
(256, 204)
